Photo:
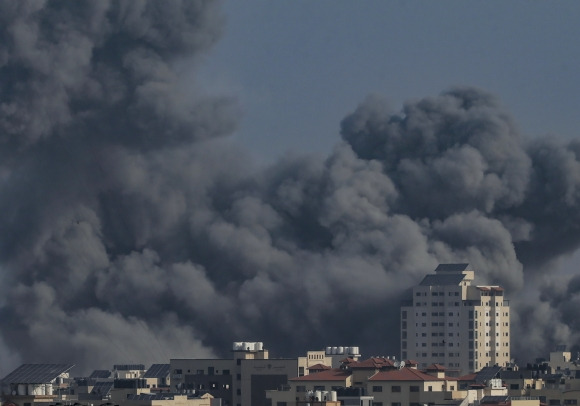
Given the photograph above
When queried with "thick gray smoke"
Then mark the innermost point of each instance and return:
(130, 235)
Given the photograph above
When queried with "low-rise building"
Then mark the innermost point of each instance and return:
(31, 384)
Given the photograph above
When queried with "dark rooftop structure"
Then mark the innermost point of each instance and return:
(442, 279)
(129, 367)
(102, 388)
(487, 373)
(100, 374)
(157, 371)
(36, 373)
(494, 400)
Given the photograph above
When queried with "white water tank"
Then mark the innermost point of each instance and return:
(333, 396)
(328, 350)
(341, 350)
(318, 395)
(334, 350)
(354, 350)
(48, 389)
(21, 389)
(259, 346)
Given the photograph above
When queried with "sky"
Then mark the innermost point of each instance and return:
(179, 176)
(299, 67)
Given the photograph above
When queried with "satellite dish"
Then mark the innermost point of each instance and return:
(402, 364)
(397, 364)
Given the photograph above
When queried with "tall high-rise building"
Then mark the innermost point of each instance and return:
(453, 323)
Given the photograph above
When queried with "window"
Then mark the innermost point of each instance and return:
(199, 372)
(319, 387)
(238, 377)
(280, 403)
(413, 388)
(514, 386)
(430, 388)
(238, 391)
(377, 388)
(570, 401)
(395, 389)
(226, 372)
(396, 404)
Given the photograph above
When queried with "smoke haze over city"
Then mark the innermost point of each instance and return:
(133, 232)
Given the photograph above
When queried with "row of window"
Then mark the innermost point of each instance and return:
(442, 354)
(437, 293)
(437, 304)
(433, 324)
(442, 344)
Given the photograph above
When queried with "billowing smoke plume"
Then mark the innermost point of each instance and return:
(130, 235)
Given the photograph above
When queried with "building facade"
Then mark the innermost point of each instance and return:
(243, 379)
(451, 322)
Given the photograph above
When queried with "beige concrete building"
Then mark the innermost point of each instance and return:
(169, 400)
(244, 379)
(561, 361)
(411, 387)
(453, 323)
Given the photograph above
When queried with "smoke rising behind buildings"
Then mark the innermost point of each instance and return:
(129, 234)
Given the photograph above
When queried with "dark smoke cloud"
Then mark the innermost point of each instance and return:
(130, 235)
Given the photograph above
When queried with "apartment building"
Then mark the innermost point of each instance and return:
(450, 321)
(409, 387)
(244, 379)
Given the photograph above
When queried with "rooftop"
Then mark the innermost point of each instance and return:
(442, 279)
(372, 363)
(404, 374)
(157, 371)
(36, 373)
